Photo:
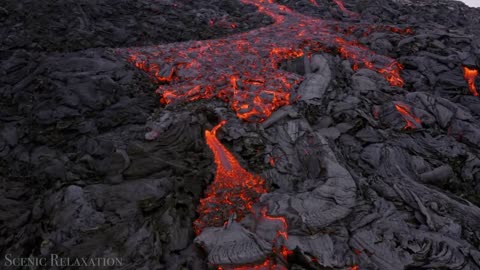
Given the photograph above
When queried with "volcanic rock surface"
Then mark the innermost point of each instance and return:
(351, 166)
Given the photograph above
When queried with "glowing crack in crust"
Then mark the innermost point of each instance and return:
(242, 69)
(411, 121)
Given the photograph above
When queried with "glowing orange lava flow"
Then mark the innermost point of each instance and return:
(470, 75)
(242, 69)
(412, 121)
(233, 191)
(233, 194)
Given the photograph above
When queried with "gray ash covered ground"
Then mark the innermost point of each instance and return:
(79, 179)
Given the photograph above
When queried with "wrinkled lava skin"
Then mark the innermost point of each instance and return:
(242, 69)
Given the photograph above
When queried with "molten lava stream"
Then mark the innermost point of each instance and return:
(233, 193)
(243, 69)
(470, 74)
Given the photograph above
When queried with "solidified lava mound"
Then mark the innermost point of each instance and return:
(241, 134)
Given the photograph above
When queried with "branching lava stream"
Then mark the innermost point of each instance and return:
(242, 69)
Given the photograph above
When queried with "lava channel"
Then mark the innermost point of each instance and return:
(243, 69)
(233, 193)
(470, 74)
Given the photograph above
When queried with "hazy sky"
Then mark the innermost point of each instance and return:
(472, 3)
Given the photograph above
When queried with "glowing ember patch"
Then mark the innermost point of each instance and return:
(356, 267)
(286, 252)
(271, 161)
(470, 75)
(242, 69)
(412, 122)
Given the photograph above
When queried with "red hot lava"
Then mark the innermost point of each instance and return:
(242, 69)
(470, 75)
(233, 193)
(412, 121)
